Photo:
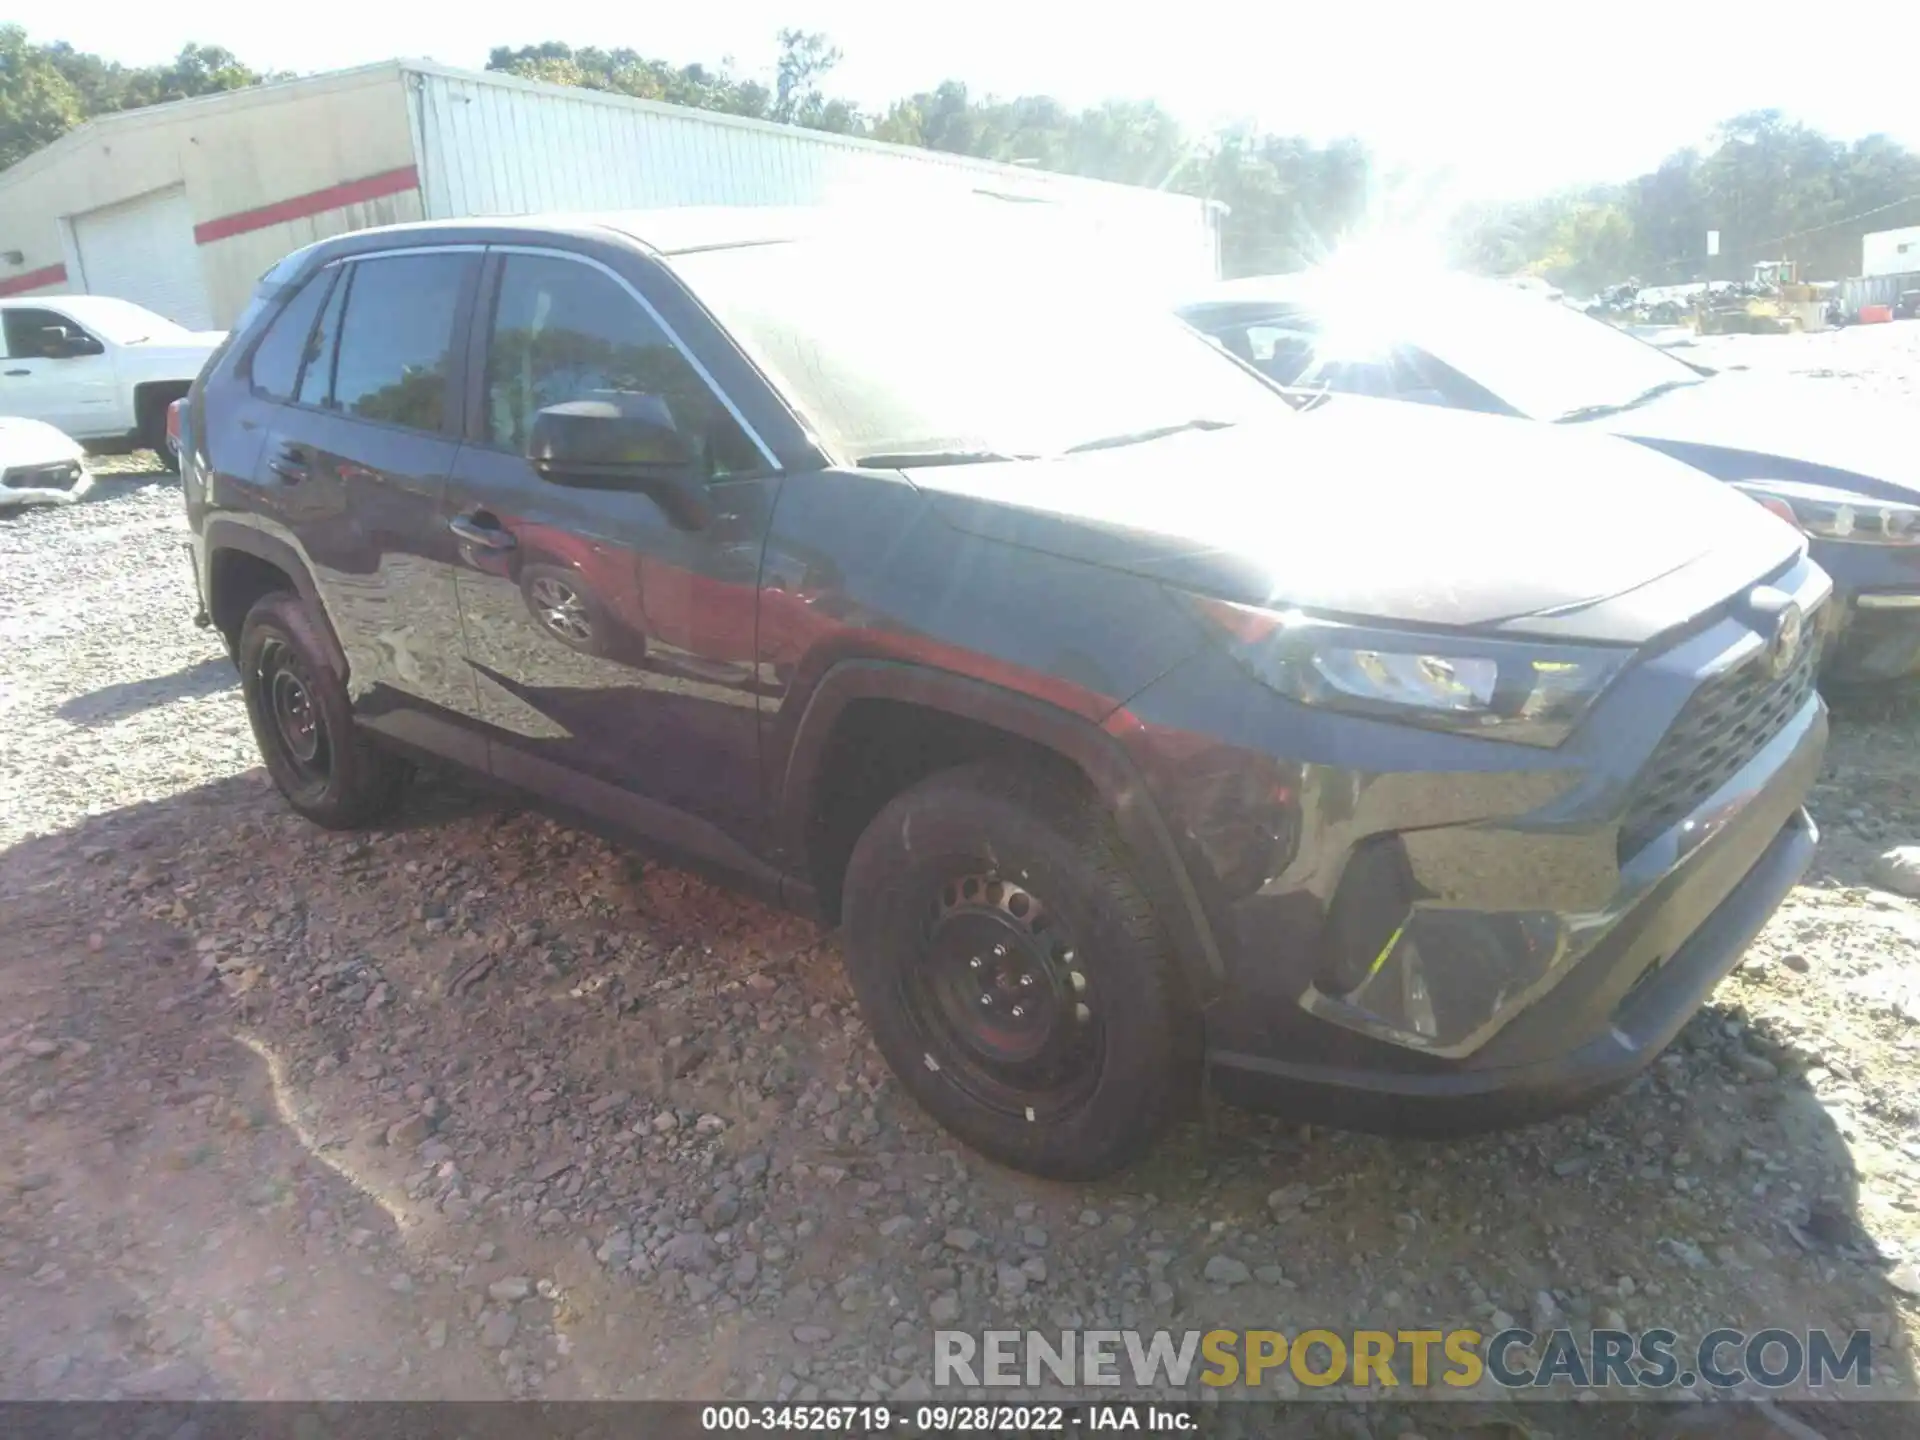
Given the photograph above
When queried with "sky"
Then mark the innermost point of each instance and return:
(1506, 99)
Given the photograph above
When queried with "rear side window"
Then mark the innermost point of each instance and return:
(276, 360)
(396, 338)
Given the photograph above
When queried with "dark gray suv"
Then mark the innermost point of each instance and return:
(1391, 768)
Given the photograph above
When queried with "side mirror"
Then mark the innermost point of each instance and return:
(621, 441)
(57, 342)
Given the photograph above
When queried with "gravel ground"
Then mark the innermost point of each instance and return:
(482, 1106)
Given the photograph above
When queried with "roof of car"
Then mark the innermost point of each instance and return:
(1302, 287)
(1263, 287)
(684, 229)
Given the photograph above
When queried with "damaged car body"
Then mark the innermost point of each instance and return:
(1132, 727)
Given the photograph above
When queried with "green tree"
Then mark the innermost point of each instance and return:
(46, 90)
(38, 104)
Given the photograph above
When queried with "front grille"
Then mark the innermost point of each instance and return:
(63, 476)
(1723, 725)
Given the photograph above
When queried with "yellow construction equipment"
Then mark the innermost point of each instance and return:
(1775, 302)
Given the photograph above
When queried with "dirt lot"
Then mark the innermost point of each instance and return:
(481, 1106)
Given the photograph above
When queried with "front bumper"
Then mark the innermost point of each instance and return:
(58, 484)
(1549, 919)
(1609, 1045)
(1875, 637)
(1876, 640)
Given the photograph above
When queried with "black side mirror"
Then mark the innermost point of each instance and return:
(621, 441)
(57, 342)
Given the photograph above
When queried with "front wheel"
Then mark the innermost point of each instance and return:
(1014, 975)
(303, 721)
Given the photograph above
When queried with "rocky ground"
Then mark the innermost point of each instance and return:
(482, 1106)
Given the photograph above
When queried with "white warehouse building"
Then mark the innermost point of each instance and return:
(1891, 252)
(181, 207)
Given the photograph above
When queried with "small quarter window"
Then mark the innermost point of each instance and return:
(276, 360)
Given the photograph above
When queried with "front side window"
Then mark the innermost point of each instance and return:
(396, 338)
(276, 360)
(563, 330)
(39, 334)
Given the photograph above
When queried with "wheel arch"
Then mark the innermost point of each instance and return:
(1031, 727)
(240, 560)
(150, 401)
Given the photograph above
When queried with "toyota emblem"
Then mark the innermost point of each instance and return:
(1789, 631)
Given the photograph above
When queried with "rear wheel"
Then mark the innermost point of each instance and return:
(1013, 973)
(303, 722)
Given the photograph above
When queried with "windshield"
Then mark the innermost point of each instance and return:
(963, 355)
(123, 322)
(1548, 360)
(1544, 358)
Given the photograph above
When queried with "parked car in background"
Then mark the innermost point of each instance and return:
(101, 369)
(39, 465)
(1388, 763)
(1842, 468)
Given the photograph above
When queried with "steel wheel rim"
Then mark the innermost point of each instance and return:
(295, 720)
(1002, 1000)
(561, 610)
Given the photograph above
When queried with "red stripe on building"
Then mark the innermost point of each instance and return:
(34, 280)
(353, 192)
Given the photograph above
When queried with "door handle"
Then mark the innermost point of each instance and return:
(290, 464)
(19, 372)
(480, 529)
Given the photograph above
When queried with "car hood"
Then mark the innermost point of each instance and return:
(1747, 427)
(1386, 511)
(34, 442)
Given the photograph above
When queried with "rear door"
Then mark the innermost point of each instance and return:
(42, 382)
(614, 649)
(364, 365)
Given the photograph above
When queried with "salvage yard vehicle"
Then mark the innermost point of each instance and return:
(100, 369)
(1387, 766)
(1840, 467)
(39, 465)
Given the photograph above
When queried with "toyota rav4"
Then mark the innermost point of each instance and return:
(1390, 769)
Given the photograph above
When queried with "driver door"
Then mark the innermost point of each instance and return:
(614, 646)
(43, 378)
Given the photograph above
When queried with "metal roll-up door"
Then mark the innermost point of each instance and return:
(143, 250)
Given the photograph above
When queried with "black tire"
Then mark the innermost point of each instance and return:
(303, 722)
(152, 434)
(989, 861)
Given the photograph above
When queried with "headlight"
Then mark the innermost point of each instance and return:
(1829, 514)
(1520, 690)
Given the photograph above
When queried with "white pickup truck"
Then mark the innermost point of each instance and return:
(98, 368)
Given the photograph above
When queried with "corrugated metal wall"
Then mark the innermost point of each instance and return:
(496, 145)
(1874, 290)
